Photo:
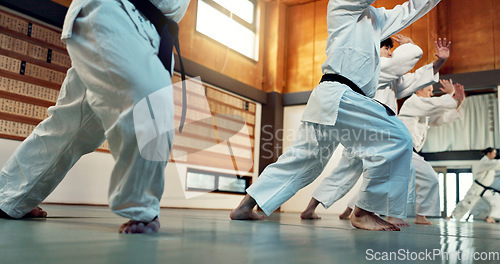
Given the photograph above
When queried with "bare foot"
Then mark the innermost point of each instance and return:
(422, 220)
(309, 212)
(137, 227)
(490, 220)
(396, 221)
(244, 211)
(346, 214)
(309, 215)
(363, 219)
(448, 218)
(35, 213)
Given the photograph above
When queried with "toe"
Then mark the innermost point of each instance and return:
(140, 228)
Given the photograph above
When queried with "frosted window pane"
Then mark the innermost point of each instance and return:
(465, 183)
(441, 191)
(223, 29)
(241, 8)
(451, 191)
(200, 181)
(232, 184)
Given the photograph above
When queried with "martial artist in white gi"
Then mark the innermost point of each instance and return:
(484, 174)
(419, 112)
(394, 83)
(113, 48)
(489, 210)
(336, 114)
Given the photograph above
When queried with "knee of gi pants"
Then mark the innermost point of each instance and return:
(433, 181)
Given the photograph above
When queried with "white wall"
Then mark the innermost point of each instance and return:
(298, 202)
(88, 181)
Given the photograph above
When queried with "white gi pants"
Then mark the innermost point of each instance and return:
(381, 141)
(114, 67)
(466, 204)
(332, 188)
(426, 187)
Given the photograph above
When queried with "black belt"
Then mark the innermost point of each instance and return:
(332, 77)
(169, 33)
(486, 188)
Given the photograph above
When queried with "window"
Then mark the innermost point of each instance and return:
(453, 188)
(209, 181)
(231, 23)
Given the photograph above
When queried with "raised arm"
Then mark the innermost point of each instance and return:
(487, 164)
(449, 115)
(339, 8)
(459, 94)
(442, 54)
(428, 106)
(401, 16)
(414, 81)
(456, 90)
(403, 59)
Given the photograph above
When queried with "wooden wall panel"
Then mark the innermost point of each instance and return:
(423, 34)
(387, 3)
(211, 54)
(320, 35)
(300, 47)
(496, 34)
(471, 30)
(65, 3)
(274, 47)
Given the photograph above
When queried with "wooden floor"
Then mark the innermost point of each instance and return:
(84, 234)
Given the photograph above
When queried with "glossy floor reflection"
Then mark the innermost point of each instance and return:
(83, 234)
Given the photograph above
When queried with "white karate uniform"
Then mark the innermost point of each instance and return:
(113, 49)
(484, 172)
(335, 114)
(418, 113)
(393, 84)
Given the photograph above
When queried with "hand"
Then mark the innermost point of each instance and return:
(447, 86)
(459, 94)
(442, 51)
(400, 39)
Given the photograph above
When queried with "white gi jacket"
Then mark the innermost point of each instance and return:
(394, 83)
(484, 171)
(418, 113)
(173, 9)
(357, 28)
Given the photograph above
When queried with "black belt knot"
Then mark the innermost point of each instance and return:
(333, 77)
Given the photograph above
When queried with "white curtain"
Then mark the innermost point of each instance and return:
(478, 129)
